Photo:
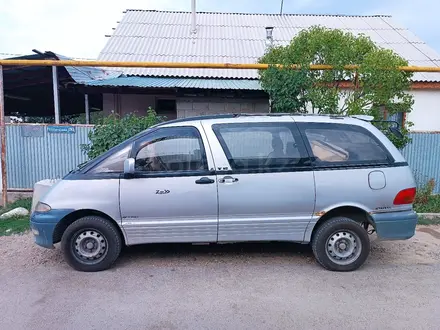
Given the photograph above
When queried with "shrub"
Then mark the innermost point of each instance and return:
(112, 130)
(424, 193)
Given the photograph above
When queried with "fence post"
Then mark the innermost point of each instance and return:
(3, 141)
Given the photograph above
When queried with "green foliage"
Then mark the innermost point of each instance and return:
(15, 225)
(428, 221)
(376, 85)
(112, 130)
(426, 201)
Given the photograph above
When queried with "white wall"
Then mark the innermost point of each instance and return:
(425, 113)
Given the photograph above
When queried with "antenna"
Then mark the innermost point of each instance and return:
(281, 9)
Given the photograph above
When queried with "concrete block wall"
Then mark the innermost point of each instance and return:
(123, 104)
(188, 107)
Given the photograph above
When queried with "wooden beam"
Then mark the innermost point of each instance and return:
(3, 142)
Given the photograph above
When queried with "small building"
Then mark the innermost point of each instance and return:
(29, 90)
(166, 36)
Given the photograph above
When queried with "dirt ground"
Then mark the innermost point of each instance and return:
(19, 251)
(232, 286)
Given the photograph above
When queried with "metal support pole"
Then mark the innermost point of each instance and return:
(3, 141)
(56, 95)
(86, 104)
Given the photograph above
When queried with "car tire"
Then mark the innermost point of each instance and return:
(91, 244)
(341, 244)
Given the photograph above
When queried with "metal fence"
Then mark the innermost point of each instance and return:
(423, 155)
(36, 152)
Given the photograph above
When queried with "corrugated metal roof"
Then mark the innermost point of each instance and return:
(87, 73)
(145, 35)
(78, 74)
(168, 82)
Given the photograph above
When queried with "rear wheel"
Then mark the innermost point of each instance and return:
(341, 244)
(91, 244)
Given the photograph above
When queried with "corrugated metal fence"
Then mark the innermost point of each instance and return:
(423, 155)
(37, 152)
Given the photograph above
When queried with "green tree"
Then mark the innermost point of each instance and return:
(112, 130)
(376, 85)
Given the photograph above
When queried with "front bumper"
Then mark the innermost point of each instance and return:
(43, 226)
(395, 225)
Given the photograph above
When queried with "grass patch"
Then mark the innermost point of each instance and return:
(430, 205)
(428, 221)
(17, 224)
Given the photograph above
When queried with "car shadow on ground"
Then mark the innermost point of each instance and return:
(214, 252)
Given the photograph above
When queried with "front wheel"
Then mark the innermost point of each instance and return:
(91, 244)
(341, 244)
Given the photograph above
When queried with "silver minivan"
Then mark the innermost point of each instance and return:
(324, 180)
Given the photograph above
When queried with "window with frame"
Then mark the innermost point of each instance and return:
(259, 146)
(341, 143)
(171, 149)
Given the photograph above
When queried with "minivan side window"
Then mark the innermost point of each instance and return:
(343, 144)
(171, 149)
(261, 146)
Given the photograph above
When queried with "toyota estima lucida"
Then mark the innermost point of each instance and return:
(322, 180)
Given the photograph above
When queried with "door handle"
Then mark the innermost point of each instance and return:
(204, 180)
(228, 179)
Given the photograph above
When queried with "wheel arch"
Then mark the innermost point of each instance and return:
(78, 214)
(355, 212)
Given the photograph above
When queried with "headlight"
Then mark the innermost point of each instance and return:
(41, 207)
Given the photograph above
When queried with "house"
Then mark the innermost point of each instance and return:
(166, 36)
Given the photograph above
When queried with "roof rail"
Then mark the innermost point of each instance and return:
(186, 119)
(363, 117)
(222, 116)
(270, 114)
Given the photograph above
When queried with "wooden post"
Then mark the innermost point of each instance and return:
(56, 95)
(3, 141)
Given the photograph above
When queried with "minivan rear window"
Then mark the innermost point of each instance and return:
(343, 144)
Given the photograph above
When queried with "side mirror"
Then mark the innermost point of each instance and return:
(129, 166)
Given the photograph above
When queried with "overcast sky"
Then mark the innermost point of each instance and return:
(76, 28)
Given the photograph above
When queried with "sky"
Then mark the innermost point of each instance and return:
(77, 28)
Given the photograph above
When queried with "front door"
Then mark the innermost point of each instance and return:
(266, 190)
(172, 196)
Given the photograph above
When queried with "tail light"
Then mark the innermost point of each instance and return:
(405, 196)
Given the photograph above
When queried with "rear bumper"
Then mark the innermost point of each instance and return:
(395, 225)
